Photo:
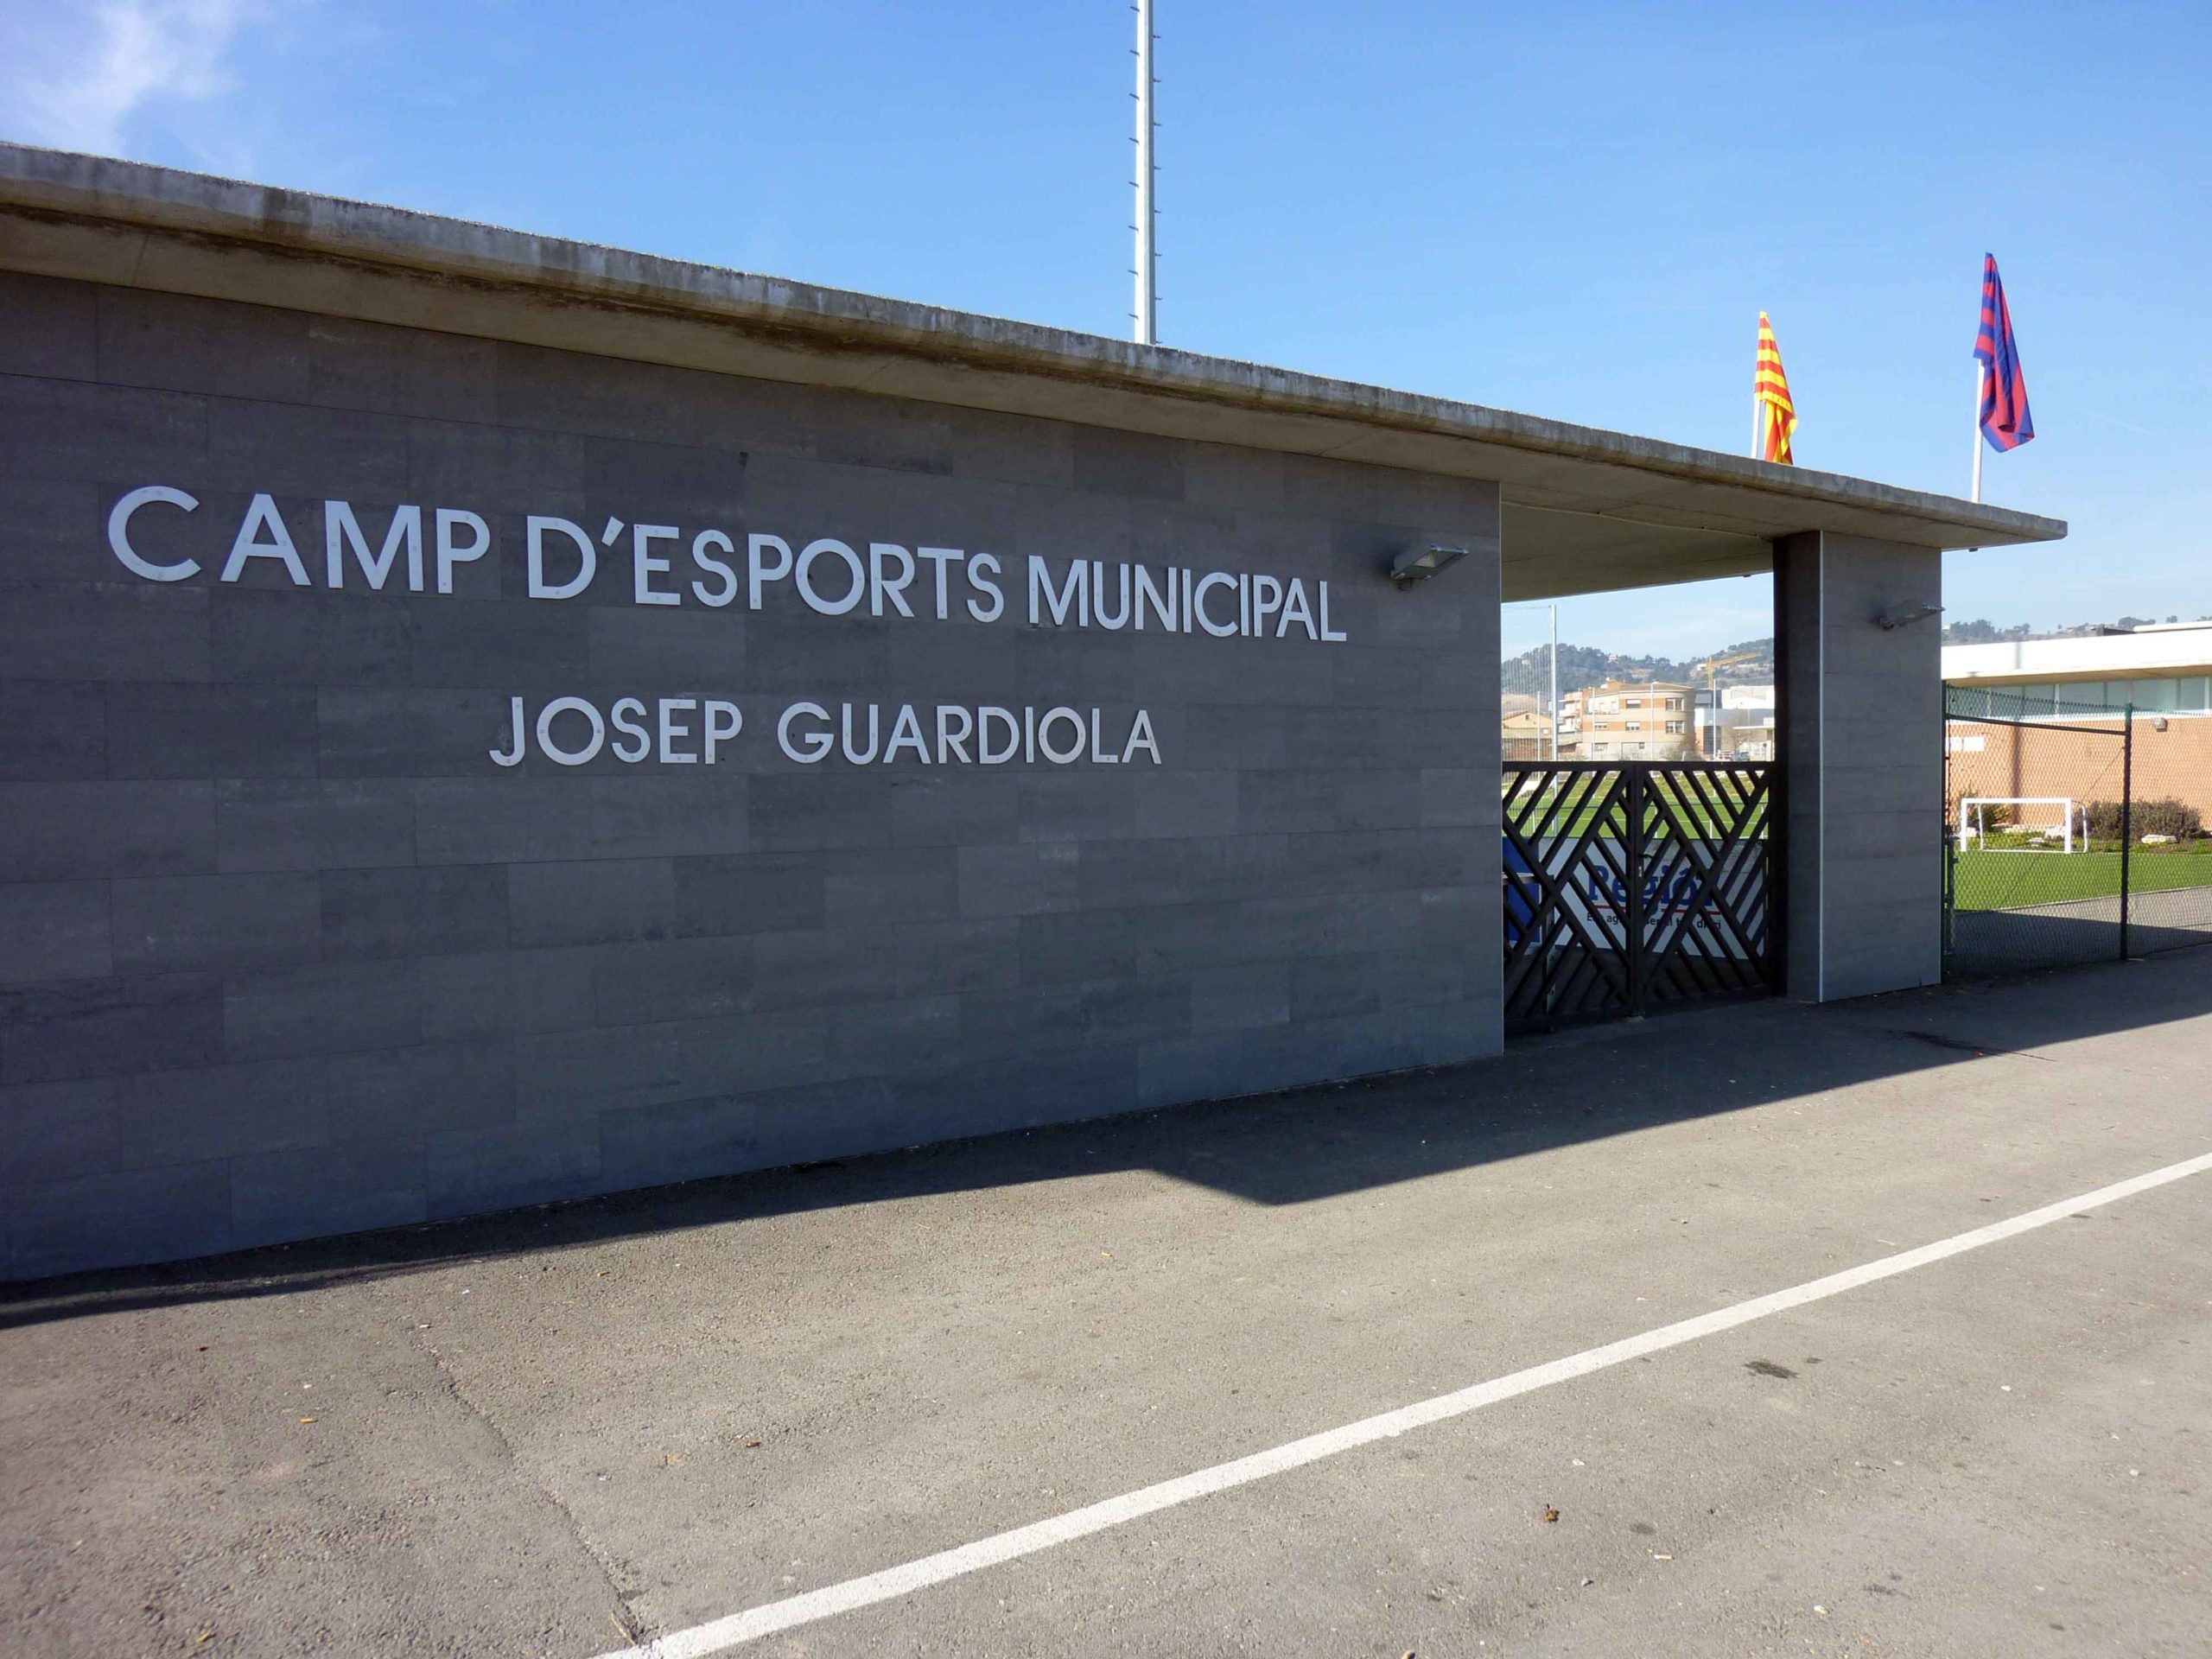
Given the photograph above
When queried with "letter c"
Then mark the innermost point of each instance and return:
(118, 533)
(1211, 580)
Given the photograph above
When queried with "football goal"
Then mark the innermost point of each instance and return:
(2059, 817)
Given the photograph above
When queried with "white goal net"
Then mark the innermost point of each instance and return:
(2057, 821)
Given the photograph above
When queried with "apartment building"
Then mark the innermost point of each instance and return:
(1625, 720)
(1524, 734)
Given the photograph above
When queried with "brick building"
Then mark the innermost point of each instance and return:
(1624, 720)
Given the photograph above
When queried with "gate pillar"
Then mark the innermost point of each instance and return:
(1859, 680)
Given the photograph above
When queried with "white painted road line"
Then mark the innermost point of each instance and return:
(769, 1618)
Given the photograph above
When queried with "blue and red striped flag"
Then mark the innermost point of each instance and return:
(2005, 419)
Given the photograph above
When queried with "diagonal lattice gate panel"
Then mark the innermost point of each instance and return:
(1632, 886)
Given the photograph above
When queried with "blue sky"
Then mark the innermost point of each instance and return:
(1577, 211)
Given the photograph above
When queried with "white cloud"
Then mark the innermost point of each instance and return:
(82, 91)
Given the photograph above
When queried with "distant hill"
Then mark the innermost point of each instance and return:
(1580, 665)
(1982, 632)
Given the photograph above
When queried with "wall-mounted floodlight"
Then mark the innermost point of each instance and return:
(1420, 562)
(1897, 619)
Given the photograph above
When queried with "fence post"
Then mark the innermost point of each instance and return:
(2127, 816)
(1951, 895)
(1949, 933)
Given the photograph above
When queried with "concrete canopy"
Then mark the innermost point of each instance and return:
(1583, 509)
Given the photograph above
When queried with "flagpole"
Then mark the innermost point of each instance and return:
(1976, 429)
(1554, 681)
(1147, 262)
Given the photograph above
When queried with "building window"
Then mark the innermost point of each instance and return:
(2083, 698)
(2157, 695)
(1675, 725)
(1636, 726)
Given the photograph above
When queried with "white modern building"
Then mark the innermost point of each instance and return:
(2162, 669)
(1740, 727)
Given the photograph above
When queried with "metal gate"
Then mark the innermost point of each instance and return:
(1634, 885)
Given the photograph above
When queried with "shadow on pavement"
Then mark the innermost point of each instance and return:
(1276, 1149)
(1985, 942)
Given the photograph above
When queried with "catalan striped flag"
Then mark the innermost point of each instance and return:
(1775, 417)
(2004, 420)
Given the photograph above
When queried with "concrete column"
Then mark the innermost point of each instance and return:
(1862, 765)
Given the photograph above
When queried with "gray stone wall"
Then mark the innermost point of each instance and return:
(282, 953)
(1862, 759)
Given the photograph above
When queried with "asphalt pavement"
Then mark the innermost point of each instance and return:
(570, 1431)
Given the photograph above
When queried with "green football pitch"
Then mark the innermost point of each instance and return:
(2013, 880)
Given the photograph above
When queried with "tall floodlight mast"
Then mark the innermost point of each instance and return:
(1147, 328)
(1554, 681)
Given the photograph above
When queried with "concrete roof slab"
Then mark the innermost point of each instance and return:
(121, 222)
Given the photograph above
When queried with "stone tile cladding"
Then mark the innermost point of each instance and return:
(282, 954)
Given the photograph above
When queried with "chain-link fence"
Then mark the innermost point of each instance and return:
(2073, 831)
